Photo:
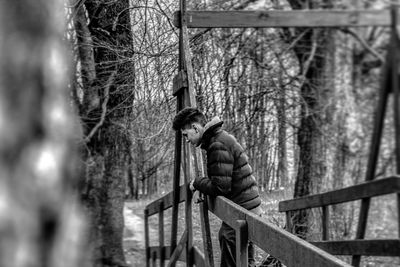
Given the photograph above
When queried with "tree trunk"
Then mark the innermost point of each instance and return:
(106, 134)
(41, 223)
(311, 54)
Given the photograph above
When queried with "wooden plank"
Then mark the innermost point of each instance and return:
(206, 234)
(177, 193)
(395, 88)
(365, 190)
(179, 82)
(154, 258)
(161, 233)
(188, 204)
(168, 252)
(288, 248)
(289, 226)
(278, 18)
(273, 239)
(146, 237)
(388, 247)
(376, 139)
(226, 210)
(168, 200)
(325, 222)
(241, 243)
(198, 257)
(178, 250)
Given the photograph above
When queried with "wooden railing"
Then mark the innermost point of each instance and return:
(376, 247)
(288, 248)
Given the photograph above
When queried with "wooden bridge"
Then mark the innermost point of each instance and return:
(288, 248)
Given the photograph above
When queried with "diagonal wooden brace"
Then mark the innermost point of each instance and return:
(178, 250)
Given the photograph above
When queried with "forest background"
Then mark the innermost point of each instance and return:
(300, 101)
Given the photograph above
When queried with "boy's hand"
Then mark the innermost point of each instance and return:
(197, 197)
(191, 186)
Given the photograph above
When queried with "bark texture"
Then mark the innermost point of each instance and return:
(40, 220)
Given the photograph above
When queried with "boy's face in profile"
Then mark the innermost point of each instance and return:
(192, 133)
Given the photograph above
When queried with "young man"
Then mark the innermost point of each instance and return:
(228, 173)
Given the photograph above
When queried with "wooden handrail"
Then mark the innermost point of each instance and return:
(273, 239)
(365, 190)
(286, 18)
(168, 199)
(376, 247)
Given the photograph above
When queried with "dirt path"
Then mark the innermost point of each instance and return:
(134, 243)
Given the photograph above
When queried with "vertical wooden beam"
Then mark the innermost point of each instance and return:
(146, 237)
(188, 205)
(176, 181)
(161, 233)
(241, 243)
(154, 259)
(374, 150)
(325, 223)
(289, 226)
(396, 96)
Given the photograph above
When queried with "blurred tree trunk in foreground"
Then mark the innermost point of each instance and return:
(104, 42)
(41, 224)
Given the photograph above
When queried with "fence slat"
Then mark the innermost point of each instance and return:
(198, 257)
(168, 252)
(287, 18)
(386, 247)
(325, 222)
(178, 250)
(146, 236)
(365, 190)
(161, 233)
(168, 200)
(241, 243)
(301, 253)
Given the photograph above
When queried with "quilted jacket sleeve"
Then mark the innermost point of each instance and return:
(219, 170)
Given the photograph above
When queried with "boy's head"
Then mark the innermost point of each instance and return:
(191, 122)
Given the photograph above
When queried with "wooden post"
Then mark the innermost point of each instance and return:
(289, 226)
(325, 223)
(161, 233)
(241, 243)
(374, 150)
(396, 95)
(154, 259)
(146, 237)
(177, 171)
(188, 206)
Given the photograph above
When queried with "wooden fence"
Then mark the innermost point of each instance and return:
(288, 248)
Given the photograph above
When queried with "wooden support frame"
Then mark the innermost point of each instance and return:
(382, 248)
(241, 243)
(178, 250)
(302, 252)
(278, 19)
(389, 85)
(146, 237)
(369, 189)
(246, 224)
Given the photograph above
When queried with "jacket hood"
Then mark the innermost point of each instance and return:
(210, 129)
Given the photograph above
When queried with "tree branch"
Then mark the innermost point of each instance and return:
(364, 44)
(110, 81)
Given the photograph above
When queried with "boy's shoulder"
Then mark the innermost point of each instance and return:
(227, 140)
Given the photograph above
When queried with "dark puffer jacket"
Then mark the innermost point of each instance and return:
(228, 170)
